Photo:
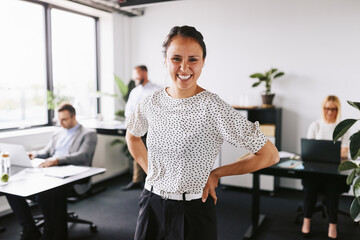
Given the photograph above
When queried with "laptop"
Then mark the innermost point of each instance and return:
(19, 157)
(320, 151)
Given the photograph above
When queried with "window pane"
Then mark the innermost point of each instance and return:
(22, 64)
(74, 60)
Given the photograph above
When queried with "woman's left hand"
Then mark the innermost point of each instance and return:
(210, 186)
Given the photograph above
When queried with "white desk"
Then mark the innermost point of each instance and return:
(24, 183)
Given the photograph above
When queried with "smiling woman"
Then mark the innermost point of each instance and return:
(184, 53)
(185, 62)
(186, 126)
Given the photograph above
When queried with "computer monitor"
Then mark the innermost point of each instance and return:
(320, 150)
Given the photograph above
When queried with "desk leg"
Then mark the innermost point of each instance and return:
(256, 218)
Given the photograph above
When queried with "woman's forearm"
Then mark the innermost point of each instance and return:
(344, 152)
(268, 155)
(138, 150)
(265, 157)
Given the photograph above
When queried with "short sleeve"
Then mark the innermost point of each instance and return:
(129, 107)
(313, 128)
(137, 124)
(237, 130)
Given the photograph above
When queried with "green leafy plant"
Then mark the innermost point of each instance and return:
(354, 168)
(54, 100)
(267, 78)
(124, 148)
(124, 91)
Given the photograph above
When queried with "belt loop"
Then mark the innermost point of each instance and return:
(184, 198)
(151, 190)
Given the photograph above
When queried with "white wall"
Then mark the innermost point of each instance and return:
(122, 56)
(315, 42)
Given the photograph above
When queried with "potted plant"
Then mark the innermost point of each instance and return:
(354, 168)
(124, 92)
(267, 78)
(54, 100)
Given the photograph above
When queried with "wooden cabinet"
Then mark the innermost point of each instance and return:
(268, 117)
(270, 123)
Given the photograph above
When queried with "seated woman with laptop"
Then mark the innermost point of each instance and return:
(331, 188)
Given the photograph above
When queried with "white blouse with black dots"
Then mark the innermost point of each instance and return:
(184, 137)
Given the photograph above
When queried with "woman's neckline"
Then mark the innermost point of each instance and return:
(328, 123)
(174, 98)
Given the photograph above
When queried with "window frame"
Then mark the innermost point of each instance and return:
(48, 56)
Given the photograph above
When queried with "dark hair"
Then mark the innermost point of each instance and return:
(67, 107)
(142, 67)
(185, 32)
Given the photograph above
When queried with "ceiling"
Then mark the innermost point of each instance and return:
(128, 7)
(139, 3)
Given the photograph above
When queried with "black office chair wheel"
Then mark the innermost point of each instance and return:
(300, 208)
(93, 228)
(73, 215)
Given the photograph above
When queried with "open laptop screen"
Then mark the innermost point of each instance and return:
(320, 150)
(18, 155)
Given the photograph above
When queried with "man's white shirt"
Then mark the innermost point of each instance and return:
(137, 94)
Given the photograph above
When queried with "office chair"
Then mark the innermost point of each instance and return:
(2, 229)
(72, 217)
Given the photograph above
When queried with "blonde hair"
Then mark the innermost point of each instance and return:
(336, 101)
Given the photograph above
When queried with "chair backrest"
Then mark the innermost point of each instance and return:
(82, 187)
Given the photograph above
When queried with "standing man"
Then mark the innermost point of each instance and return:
(74, 145)
(143, 88)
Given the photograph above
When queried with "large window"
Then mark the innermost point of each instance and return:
(74, 60)
(33, 61)
(22, 64)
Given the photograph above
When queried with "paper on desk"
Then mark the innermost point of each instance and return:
(284, 154)
(64, 171)
(291, 164)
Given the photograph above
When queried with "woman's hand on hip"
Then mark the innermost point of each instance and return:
(210, 186)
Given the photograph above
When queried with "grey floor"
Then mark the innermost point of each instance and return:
(115, 212)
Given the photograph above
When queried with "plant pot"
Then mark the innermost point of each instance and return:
(267, 100)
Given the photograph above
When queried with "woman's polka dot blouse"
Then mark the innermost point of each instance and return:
(184, 137)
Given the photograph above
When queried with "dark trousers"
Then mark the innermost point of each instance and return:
(161, 219)
(53, 206)
(331, 188)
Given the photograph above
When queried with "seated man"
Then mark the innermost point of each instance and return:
(74, 145)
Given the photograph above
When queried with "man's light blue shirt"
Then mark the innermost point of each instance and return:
(63, 143)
